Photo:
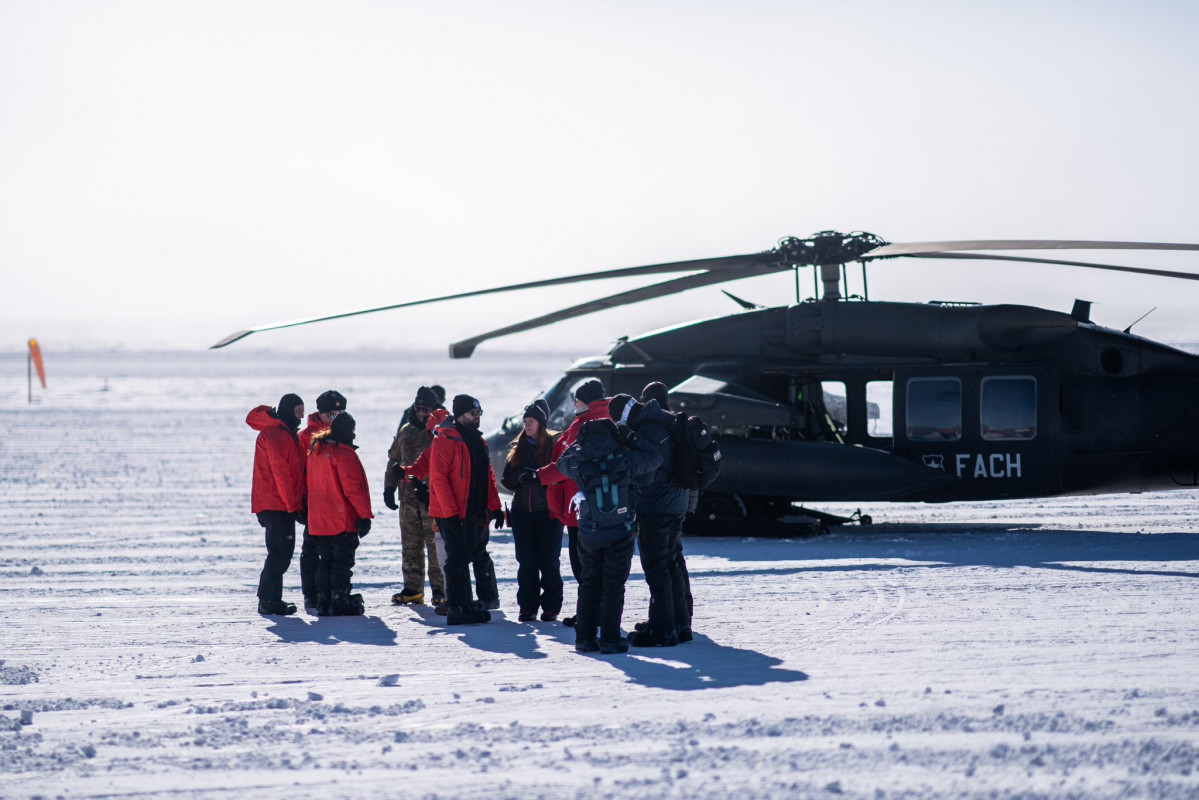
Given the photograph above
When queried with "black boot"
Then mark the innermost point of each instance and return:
(467, 616)
(276, 608)
(648, 638)
(323, 606)
(607, 648)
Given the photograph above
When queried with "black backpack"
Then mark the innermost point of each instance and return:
(607, 485)
(695, 452)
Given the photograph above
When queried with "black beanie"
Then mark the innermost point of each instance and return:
(440, 392)
(656, 391)
(538, 410)
(331, 400)
(464, 403)
(287, 409)
(589, 391)
(623, 408)
(425, 396)
(342, 429)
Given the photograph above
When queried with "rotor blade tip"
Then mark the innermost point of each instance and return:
(230, 339)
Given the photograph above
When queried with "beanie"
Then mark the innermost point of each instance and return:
(425, 396)
(622, 408)
(538, 410)
(656, 391)
(331, 400)
(440, 392)
(464, 403)
(342, 429)
(589, 391)
(287, 409)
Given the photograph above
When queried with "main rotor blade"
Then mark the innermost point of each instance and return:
(920, 248)
(1165, 273)
(466, 347)
(723, 264)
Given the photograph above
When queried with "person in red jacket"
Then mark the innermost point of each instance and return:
(339, 514)
(277, 494)
(328, 405)
(590, 403)
(463, 498)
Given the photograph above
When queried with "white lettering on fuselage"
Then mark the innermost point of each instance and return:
(993, 465)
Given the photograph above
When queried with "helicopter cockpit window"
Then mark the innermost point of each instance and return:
(934, 409)
(1009, 408)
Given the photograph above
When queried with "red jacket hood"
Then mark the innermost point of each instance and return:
(261, 419)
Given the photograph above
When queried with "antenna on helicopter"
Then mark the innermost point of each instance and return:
(1138, 319)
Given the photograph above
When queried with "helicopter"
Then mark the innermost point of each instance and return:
(846, 399)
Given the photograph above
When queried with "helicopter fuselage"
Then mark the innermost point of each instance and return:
(873, 401)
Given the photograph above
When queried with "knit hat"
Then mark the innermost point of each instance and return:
(538, 410)
(589, 391)
(425, 396)
(287, 409)
(464, 403)
(656, 391)
(342, 429)
(622, 408)
(331, 400)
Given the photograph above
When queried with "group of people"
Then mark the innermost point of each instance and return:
(607, 479)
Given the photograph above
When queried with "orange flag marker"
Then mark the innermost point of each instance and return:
(35, 353)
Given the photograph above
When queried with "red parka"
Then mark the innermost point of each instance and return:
(420, 467)
(449, 475)
(561, 488)
(278, 464)
(338, 495)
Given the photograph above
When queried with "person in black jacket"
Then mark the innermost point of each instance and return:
(607, 462)
(660, 513)
(536, 534)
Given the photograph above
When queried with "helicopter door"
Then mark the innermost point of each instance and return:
(992, 429)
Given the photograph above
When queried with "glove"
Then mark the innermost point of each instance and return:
(389, 498)
(497, 517)
(363, 526)
(420, 489)
(528, 476)
(626, 437)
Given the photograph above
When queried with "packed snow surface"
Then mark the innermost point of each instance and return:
(1039, 648)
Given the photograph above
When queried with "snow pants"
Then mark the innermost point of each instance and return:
(466, 547)
(538, 540)
(606, 568)
(658, 539)
(280, 547)
(416, 542)
(336, 565)
(309, 559)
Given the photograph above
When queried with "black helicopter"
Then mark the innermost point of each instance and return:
(848, 399)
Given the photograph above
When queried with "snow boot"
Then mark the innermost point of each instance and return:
(684, 632)
(568, 622)
(456, 615)
(438, 597)
(621, 645)
(272, 608)
(310, 603)
(586, 646)
(344, 604)
(409, 597)
(548, 616)
(527, 616)
(323, 608)
(647, 638)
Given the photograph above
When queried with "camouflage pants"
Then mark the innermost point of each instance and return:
(416, 540)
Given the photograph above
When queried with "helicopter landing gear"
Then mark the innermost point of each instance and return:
(832, 519)
(728, 514)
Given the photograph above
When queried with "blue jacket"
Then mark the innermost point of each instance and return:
(644, 460)
(660, 495)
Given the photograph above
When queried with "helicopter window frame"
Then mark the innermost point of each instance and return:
(1017, 432)
(936, 422)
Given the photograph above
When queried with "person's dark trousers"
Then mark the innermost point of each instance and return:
(309, 558)
(280, 547)
(606, 568)
(572, 547)
(336, 565)
(486, 585)
(682, 565)
(657, 538)
(458, 552)
(538, 540)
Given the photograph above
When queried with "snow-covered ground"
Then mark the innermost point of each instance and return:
(1023, 649)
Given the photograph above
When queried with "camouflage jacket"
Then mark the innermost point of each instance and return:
(406, 448)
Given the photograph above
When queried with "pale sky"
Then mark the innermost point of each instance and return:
(173, 172)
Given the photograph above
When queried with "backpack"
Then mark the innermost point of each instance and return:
(607, 484)
(695, 453)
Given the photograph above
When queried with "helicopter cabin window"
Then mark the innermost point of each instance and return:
(878, 408)
(934, 409)
(1009, 408)
(824, 410)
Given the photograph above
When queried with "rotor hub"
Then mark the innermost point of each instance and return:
(826, 248)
